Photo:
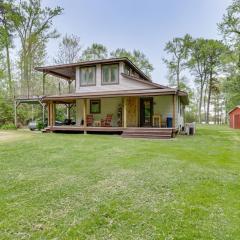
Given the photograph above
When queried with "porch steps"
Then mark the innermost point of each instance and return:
(46, 130)
(154, 133)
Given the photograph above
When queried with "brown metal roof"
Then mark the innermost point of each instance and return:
(68, 71)
(103, 94)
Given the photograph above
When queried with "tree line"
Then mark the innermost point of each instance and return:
(212, 66)
(25, 30)
(208, 69)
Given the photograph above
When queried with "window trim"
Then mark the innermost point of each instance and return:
(95, 100)
(110, 64)
(87, 85)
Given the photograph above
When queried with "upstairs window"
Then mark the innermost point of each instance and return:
(110, 74)
(88, 76)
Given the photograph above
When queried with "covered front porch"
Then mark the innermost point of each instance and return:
(120, 114)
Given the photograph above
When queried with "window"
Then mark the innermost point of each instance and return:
(110, 74)
(95, 106)
(88, 76)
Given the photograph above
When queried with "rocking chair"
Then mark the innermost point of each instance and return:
(107, 121)
(89, 120)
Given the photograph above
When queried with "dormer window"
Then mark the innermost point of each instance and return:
(88, 76)
(110, 74)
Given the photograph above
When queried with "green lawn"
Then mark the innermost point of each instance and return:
(72, 186)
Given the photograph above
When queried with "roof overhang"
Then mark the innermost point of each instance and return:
(68, 71)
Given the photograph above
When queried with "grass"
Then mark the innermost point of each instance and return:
(56, 186)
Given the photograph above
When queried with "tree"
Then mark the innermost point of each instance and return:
(178, 50)
(69, 50)
(191, 110)
(217, 100)
(95, 52)
(231, 90)
(215, 50)
(198, 66)
(230, 25)
(230, 29)
(6, 35)
(33, 25)
(137, 57)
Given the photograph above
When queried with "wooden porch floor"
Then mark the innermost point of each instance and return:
(72, 128)
(131, 132)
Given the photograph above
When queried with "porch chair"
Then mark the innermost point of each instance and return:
(107, 121)
(89, 120)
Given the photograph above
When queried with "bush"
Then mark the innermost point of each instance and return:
(8, 126)
(6, 110)
(40, 125)
(190, 117)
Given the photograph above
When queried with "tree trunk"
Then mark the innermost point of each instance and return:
(7, 43)
(209, 97)
(25, 71)
(205, 102)
(219, 110)
(178, 75)
(9, 71)
(26, 75)
(200, 105)
(215, 111)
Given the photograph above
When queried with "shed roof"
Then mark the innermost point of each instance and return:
(237, 107)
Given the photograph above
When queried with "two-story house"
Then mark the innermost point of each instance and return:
(113, 95)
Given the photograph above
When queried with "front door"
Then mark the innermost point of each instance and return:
(146, 111)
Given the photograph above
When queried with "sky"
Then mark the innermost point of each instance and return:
(145, 25)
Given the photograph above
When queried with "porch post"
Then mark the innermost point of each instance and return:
(68, 111)
(124, 112)
(50, 114)
(43, 113)
(85, 114)
(53, 113)
(174, 112)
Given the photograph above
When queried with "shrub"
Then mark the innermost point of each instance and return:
(6, 110)
(8, 126)
(190, 117)
(40, 125)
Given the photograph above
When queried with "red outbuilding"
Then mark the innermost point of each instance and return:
(234, 117)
